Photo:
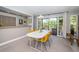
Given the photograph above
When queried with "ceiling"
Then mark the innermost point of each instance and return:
(42, 10)
(10, 11)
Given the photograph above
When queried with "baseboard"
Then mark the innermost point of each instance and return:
(37, 50)
(12, 40)
(61, 37)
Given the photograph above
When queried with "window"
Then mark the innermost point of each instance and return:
(53, 23)
(45, 23)
(73, 22)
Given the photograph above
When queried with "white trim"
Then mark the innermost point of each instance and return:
(76, 24)
(7, 42)
(7, 14)
(32, 22)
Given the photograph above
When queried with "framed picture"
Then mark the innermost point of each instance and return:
(20, 21)
(24, 21)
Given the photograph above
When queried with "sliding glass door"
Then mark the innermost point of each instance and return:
(54, 24)
(73, 24)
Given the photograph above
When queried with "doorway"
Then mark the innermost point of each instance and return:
(73, 24)
(60, 26)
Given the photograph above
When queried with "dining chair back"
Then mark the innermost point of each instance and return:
(44, 40)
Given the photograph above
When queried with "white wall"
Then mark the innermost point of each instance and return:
(17, 20)
(6, 14)
(34, 22)
(12, 33)
(74, 13)
(66, 24)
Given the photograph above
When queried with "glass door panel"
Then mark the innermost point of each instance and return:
(73, 24)
(45, 24)
(53, 25)
(40, 25)
(60, 19)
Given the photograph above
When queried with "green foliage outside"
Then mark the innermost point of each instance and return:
(73, 22)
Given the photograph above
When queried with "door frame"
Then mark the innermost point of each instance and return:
(76, 24)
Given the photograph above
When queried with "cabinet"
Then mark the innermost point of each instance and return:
(7, 21)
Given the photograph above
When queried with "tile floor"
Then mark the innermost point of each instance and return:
(58, 45)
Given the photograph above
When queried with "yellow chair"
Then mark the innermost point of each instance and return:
(49, 33)
(32, 30)
(44, 40)
(49, 40)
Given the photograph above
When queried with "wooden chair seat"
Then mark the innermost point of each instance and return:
(70, 38)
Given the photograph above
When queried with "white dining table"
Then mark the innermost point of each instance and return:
(38, 34)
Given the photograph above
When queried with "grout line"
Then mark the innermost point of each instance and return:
(35, 49)
(7, 42)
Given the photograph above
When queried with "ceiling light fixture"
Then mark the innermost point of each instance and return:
(40, 17)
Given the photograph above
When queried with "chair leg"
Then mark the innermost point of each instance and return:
(28, 43)
(34, 43)
(49, 43)
(38, 45)
(45, 47)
